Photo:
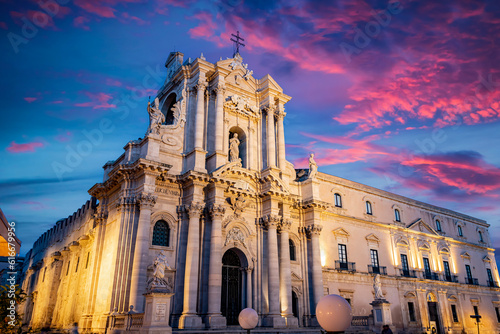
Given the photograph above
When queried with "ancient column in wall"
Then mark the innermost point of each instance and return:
(219, 118)
(249, 270)
(285, 275)
(281, 140)
(215, 318)
(273, 318)
(271, 142)
(146, 202)
(200, 114)
(189, 318)
(314, 231)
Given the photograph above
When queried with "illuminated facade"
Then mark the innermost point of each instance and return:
(209, 186)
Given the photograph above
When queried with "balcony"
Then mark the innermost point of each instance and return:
(431, 275)
(407, 273)
(347, 266)
(471, 281)
(451, 278)
(492, 284)
(377, 270)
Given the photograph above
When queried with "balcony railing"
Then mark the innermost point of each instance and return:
(431, 275)
(471, 281)
(407, 273)
(492, 284)
(377, 270)
(348, 266)
(451, 278)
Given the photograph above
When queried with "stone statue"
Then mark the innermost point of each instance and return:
(234, 150)
(377, 287)
(313, 167)
(156, 117)
(159, 266)
(236, 235)
(238, 204)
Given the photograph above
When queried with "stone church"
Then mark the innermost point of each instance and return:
(209, 191)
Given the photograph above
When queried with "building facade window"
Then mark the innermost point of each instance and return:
(397, 215)
(369, 208)
(374, 258)
(338, 200)
(438, 225)
(77, 263)
(454, 313)
(476, 310)
(447, 272)
(342, 253)
(404, 264)
(87, 262)
(480, 236)
(411, 311)
(460, 232)
(427, 267)
(44, 272)
(469, 274)
(161, 234)
(67, 270)
(292, 250)
(497, 312)
(491, 282)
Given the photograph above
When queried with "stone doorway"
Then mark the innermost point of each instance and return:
(231, 296)
(434, 317)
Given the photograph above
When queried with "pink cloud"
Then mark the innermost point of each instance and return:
(30, 99)
(64, 137)
(81, 22)
(113, 82)
(97, 101)
(38, 18)
(102, 8)
(136, 19)
(24, 148)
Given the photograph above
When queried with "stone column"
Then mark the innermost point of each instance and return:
(140, 264)
(271, 149)
(281, 141)
(422, 307)
(285, 276)
(249, 286)
(189, 318)
(273, 318)
(215, 318)
(219, 118)
(200, 114)
(314, 231)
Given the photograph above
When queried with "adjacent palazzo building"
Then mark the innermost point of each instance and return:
(210, 187)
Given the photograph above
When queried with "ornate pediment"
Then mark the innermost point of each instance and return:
(240, 105)
(420, 225)
(296, 277)
(465, 255)
(271, 182)
(487, 259)
(341, 232)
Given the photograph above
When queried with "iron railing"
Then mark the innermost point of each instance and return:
(471, 281)
(451, 278)
(492, 284)
(407, 273)
(377, 270)
(348, 266)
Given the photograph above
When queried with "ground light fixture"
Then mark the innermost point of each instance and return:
(334, 314)
(248, 319)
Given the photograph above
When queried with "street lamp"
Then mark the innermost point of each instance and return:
(248, 319)
(334, 314)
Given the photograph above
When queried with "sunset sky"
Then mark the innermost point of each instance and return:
(400, 96)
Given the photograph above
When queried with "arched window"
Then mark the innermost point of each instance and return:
(481, 236)
(167, 109)
(369, 208)
(438, 225)
(338, 200)
(397, 215)
(161, 234)
(293, 256)
(460, 232)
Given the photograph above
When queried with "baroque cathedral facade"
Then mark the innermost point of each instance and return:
(209, 189)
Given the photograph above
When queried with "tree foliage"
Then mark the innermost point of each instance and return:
(10, 322)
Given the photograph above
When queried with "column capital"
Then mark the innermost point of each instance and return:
(125, 201)
(270, 109)
(200, 85)
(285, 225)
(193, 210)
(219, 89)
(146, 200)
(271, 221)
(280, 114)
(217, 211)
(314, 229)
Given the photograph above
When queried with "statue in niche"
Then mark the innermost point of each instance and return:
(234, 150)
(159, 266)
(377, 287)
(313, 167)
(156, 117)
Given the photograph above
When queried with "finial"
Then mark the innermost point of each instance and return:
(202, 57)
(237, 43)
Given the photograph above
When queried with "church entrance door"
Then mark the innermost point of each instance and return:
(434, 318)
(231, 287)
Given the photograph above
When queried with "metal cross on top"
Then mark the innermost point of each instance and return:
(237, 42)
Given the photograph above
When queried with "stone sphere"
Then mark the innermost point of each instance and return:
(248, 318)
(334, 313)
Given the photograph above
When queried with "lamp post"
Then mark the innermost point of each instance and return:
(477, 317)
(334, 314)
(248, 319)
